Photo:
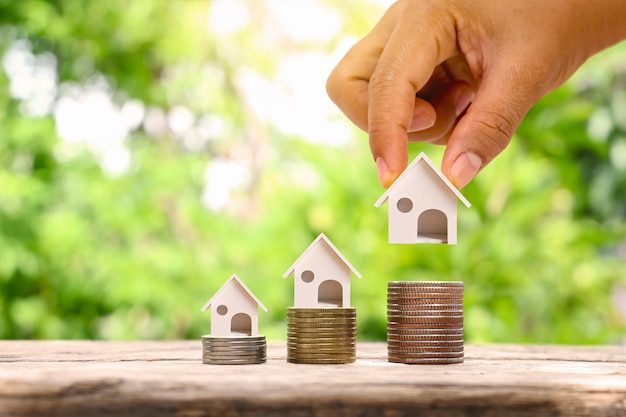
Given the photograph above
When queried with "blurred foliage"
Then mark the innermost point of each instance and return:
(89, 253)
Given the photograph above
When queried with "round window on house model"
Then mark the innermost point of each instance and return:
(222, 310)
(404, 205)
(307, 276)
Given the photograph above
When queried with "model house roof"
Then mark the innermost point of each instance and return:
(317, 241)
(234, 279)
(407, 172)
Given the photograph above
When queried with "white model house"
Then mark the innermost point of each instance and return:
(321, 276)
(234, 310)
(422, 205)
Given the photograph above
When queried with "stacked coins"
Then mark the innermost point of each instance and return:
(425, 322)
(233, 350)
(321, 335)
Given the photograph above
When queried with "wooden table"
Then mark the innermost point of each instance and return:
(44, 378)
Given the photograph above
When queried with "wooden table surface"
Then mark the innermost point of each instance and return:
(49, 378)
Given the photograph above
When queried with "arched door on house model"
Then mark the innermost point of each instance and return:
(330, 293)
(432, 226)
(241, 325)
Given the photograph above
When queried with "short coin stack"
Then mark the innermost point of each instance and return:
(425, 322)
(321, 335)
(233, 350)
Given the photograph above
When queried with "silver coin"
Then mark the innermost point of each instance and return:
(430, 297)
(424, 325)
(426, 304)
(425, 339)
(392, 342)
(233, 336)
(425, 313)
(408, 331)
(234, 344)
(240, 355)
(424, 307)
(235, 349)
(233, 362)
(431, 293)
(234, 341)
(414, 348)
(426, 286)
(425, 283)
(425, 318)
(426, 361)
(425, 354)
(212, 355)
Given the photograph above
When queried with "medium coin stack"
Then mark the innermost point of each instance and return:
(321, 335)
(233, 350)
(425, 322)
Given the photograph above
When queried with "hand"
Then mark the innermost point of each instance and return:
(413, 77)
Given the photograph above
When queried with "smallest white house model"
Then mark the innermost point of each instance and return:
(321, 276)
(422, 205)
(234, 310)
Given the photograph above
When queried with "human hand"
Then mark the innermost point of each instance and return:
(414, 75)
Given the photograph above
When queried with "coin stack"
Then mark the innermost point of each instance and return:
(321, 335)
(425, 322)
(233, 350)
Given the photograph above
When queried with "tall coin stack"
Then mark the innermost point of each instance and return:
(321, 335)
(425, 322)
(233, 350)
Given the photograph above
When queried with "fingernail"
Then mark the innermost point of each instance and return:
(420, 122)
(465, 168)
(463, 102)
(384, 176)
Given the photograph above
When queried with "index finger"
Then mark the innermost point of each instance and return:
(420, 41)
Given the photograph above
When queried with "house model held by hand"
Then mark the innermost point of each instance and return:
(422, 205)
(234, 310)
(321, 276)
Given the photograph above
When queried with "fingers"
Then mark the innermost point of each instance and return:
(424, 116)
(451, 53)
(449, 104)
(405, 65)
(488, 125)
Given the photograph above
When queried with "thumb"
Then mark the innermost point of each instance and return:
(500, 104)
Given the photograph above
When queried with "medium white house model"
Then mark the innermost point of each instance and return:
(234, 310)
(422, 205)
(321, 276)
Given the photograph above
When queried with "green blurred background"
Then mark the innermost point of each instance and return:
(149, 149)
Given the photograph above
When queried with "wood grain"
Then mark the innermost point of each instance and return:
(46, 378)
